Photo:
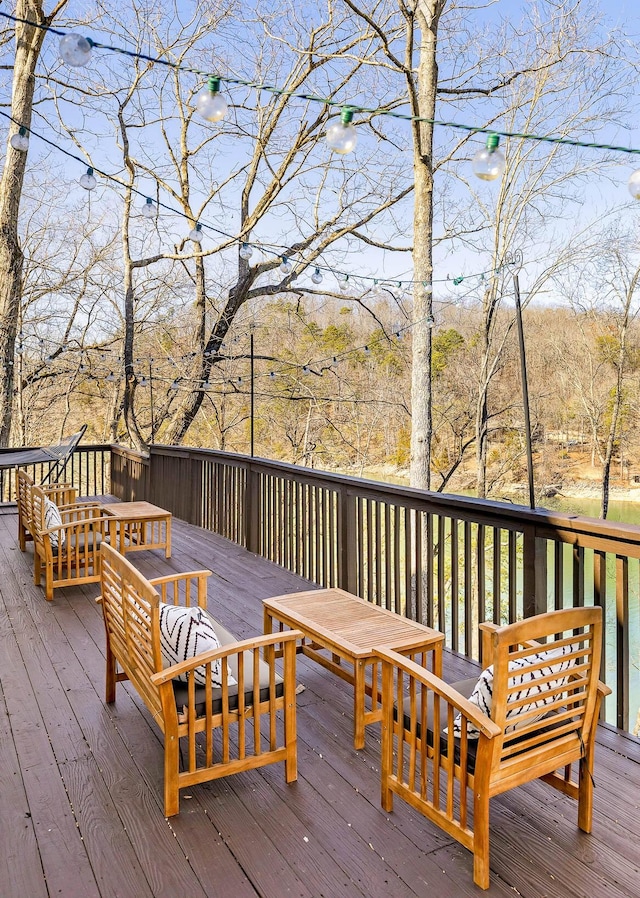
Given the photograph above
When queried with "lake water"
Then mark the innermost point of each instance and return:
(619, 510)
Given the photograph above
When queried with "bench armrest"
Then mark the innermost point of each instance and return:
(234, 648)
(180, 588)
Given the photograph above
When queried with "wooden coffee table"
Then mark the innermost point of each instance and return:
(137, 526)
(349, 629)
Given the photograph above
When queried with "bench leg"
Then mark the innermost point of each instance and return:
(171, 768)
(481, 841)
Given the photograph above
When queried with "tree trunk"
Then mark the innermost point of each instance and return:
(428, 16)
(28, 44)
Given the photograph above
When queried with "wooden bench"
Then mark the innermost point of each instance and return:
(226, 729)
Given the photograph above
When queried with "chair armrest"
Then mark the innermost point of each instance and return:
(234, 648)
(603, 689)
(424, 676)
(78, 524)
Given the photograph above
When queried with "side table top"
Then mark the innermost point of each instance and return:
(134, 510)
(336, 615)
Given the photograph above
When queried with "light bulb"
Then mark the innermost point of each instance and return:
(246, 251)
(488, 163)
(143, 382)
(431, 321)
(75, 49)
(210, 103)
(285, 266)
(20, 141)
(175, 385)
(195, 234)
(149, 210)
(344, 284)
(88, 181)
(110, 377)
(316, 277)
(633, 185)
(341, 135)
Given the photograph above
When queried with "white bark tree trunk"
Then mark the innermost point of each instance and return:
(28, 44)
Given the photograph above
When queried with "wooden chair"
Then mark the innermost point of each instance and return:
(59, 493)
(545, 706)
(76, 558)
(243, 712)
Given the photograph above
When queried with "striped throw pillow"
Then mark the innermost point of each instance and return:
(52, 518)
(185, 633)
(525, 680)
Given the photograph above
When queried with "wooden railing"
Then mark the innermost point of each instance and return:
(448, 561)
(87, 468)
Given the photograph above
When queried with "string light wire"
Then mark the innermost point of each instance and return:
(352, 107)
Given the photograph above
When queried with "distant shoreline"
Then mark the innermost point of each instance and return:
(570, 489)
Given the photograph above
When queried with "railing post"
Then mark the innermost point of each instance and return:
(541, 574)
(252, 511)
(348, 547)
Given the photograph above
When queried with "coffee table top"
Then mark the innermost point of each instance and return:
(350, 622)
(134, 511)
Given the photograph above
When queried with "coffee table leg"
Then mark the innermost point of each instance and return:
(167, 551)
(358, 703)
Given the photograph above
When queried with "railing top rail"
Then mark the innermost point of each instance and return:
(547, 524)
(129, 453)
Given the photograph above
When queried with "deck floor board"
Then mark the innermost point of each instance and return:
(81, 782)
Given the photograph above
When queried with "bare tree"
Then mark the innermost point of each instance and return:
(28, 43)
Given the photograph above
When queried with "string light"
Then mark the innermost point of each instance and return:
(316, 277)
(634, 185)
(285, 266)
(246, 251)
(195, 234)
(489, 162)
(149, 210)
(20, 141)
(210, 103)
(375, 111)
(341, 135)
(88, 180)
(75, 49)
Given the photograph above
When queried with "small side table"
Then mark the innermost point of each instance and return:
(138, 526)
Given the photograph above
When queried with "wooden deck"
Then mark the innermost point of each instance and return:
(81, 783)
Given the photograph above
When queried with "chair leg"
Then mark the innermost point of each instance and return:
(22, 538)
(481, 841)
(585, 791)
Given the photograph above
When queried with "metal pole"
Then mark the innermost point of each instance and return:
(151, 401)
(252, 392)
(525, 384)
